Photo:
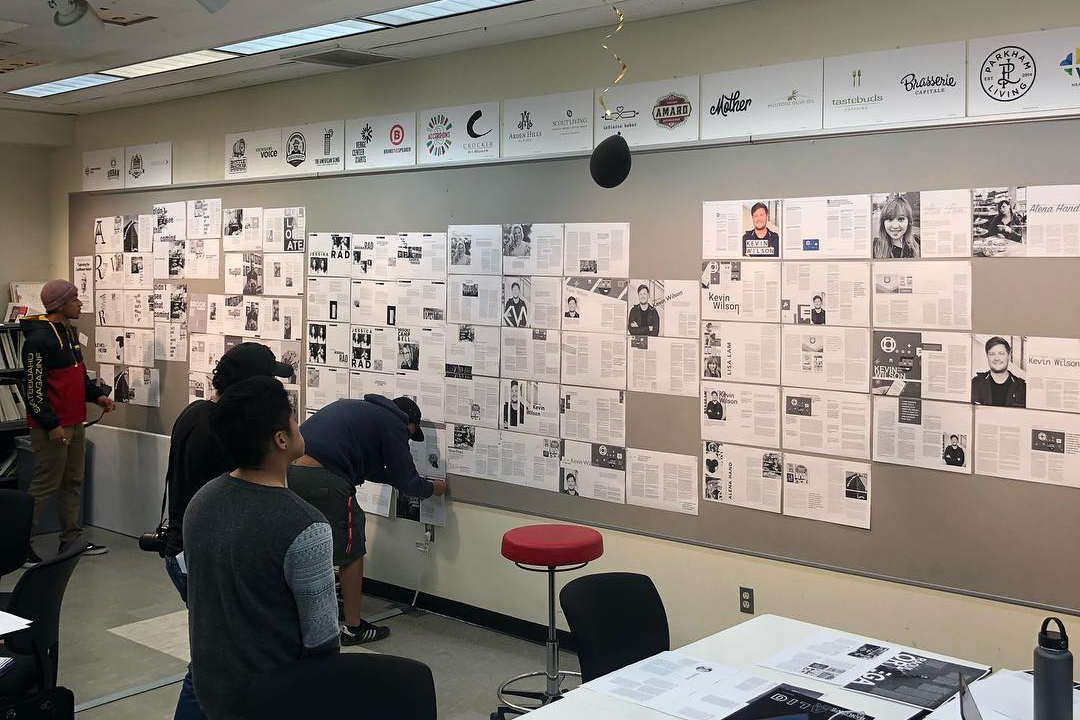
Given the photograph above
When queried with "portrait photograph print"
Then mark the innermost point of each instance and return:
(517, 292)
(568, 482)
(712, 351)
(954, 449)
(644, 317)
(998, 221)
(517, 240)
(896, 228)
(761, 229)
(713, 478)
(999, 370)
(712, 405)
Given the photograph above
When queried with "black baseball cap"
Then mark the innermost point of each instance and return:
(250, 359)
(412, 411)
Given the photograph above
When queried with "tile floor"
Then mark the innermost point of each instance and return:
(123, 628)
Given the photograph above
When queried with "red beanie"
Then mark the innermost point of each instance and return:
(56, 293)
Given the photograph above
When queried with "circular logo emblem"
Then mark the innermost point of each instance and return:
(438, 135)
(888, 344)
(1007, 73)
(397, 135)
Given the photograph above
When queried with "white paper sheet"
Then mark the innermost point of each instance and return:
(280, 318)
(932, 365)
(109, 271)
(1053, 221)
(138, 271)
(529, 406)
(830, 293)
(82, 276)
(109, 344)
(243, 230)
(822, 421)
(202, 259)
(532, 249)
(827, 227)
(284, 230)
(923, 433)
(473, 451)
(328, 344)
(734, 412)
(205, 351)
(1032, 445)
(663, 307)
(1053, 373)
(668, 366)
(420, 303)
(427, 391)
(329, 254)
(110, 308)
(737, 290)
(244, 273)
(324, 385)
(832, 490)
(422, 351)
(661, 682)
(145, 386)
(741, 352)
(662, 481)
(374, 256)
(474, 299)
(225, 314)
(371, 383)
(139, 346)
(170, 221)
(375, 498)
(597, 249)
(374, 348)
(593, 470)
(170, 257)
(200, 386)
(742, 476)
(593, 359)
(933, 224)
(474, 249)
(825, 357)
(595, 304)
(139, 233)
(532, 302)
(593, 415)
(109, 234)
(529, 460)
(170, 342)
(283, 274)
(472, 350)
(203, 218)
(328, 298)
(433, 510)
(531, 354)
(429, 456)
(420, 256)
(374, 302)
(923, 295)
(139, 308)
(170, 301)
(733, 229)
(472, 401)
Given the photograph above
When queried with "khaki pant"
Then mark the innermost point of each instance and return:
(58, 470)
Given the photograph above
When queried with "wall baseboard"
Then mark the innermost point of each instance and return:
(505, 624)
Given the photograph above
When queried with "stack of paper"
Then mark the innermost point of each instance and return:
(11, 623)
(1005, 695)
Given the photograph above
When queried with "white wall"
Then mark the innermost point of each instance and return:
(25, 195)
(699, 586)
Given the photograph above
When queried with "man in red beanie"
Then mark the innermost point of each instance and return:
(57, 390)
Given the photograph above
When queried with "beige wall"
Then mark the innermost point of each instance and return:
(25, 196)
(699, 586)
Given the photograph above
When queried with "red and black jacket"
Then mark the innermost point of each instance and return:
(57, 387)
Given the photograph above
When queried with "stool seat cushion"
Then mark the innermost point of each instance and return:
(552, 545)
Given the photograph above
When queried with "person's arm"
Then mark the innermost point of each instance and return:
(400, 468)
(309, 573)
(37, 386)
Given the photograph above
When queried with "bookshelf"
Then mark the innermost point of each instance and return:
(11, 373)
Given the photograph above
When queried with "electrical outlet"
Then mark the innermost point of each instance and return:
(746, 600)
(423, 546)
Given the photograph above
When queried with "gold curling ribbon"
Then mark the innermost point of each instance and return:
(623, 67)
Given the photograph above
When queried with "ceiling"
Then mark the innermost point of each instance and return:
(42, 52)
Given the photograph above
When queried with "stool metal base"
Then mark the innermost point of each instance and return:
(542, 698)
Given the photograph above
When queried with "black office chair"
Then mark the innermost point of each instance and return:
(37, 597)
(355, 685)
(16, 517)
(616, 619)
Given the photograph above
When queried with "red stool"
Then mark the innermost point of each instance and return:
(550, 549)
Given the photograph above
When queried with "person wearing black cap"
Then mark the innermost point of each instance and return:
(195, 458)
(348, 442)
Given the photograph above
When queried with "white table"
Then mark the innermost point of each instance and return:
(742, 646)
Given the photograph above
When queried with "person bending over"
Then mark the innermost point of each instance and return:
(260, 559)
(348, 442)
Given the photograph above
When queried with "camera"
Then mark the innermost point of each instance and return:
(155, 541)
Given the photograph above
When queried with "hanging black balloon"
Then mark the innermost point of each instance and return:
(610, 162)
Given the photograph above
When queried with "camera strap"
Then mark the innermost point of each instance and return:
(164, 502)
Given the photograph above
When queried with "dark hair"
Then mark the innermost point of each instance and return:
(998, 340)
(759, 205)
(643, 286)
(817, 297)
(714, 392)
(954, 437)
(248, 415)
(513, 383)
(1004, 201)
(572, 298)
(515, 285)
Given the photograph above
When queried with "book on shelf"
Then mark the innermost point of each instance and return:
(10, 351)
(12, 406)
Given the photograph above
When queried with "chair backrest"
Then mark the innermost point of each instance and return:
(354, 685)
(16, 517)
(37, 597)
(616, 619)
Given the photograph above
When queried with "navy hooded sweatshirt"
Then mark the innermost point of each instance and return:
(365, 440)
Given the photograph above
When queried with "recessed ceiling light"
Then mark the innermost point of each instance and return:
(56, 87)
(434, 10)
(173, 62)
(300, 37)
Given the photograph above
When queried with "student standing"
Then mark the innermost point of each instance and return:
(57, 391)
(260, 571)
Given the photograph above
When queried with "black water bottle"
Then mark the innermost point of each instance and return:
(1053, 673)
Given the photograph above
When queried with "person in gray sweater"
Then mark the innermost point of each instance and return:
(259, 559)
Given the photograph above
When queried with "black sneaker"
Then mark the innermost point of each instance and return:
(363, 633)
(91, 548)
(32, 558)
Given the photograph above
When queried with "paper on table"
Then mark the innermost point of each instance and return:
(662, 681)
(1005, 694)
(831, 657)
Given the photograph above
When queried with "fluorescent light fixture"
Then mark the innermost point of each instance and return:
(173, 62)
(300, 37)
(56, 87)
(434, 10)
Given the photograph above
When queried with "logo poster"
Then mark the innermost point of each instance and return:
(148, 165)
(761, 100)
(550, 124)
(895, 86)
(314, 148)
(652, 113)
(1027, 72)
(379, 142)
(103, 169)
(252, 154)
(459, 134)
